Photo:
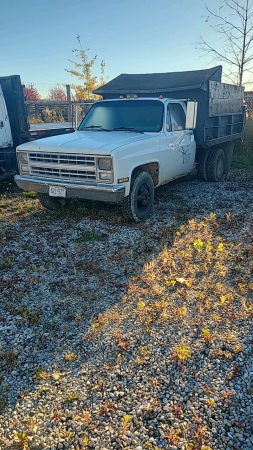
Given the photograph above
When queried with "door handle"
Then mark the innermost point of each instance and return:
(1, 124)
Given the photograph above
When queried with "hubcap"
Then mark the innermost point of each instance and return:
(143, 197)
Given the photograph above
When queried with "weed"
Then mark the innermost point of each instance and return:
(31, 424)
(29, 194)
(32, 317)
(23, 208)
(89, 236)
(200, 433)
(70, 357)
(85, 441)
(78, 318)
(243, 156)
(122, 343)
(140, 360)
(86, 416)
(177, 410)
(3, 402)
(125, 423)
(107, 408)
(174, 436)
(41, 375)
(181, 352)
(10, 357)
(6, 263)
(226, 395)
(210, 402)
(22, 439)
(237, 348)
(72, 397)
(207, 335)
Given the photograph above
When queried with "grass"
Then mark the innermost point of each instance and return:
(243, 154)
(89, 236)
(6, 263)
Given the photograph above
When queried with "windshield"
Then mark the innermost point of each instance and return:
(129, 115)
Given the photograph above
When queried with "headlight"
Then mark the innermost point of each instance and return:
(105, 163)
(106, 176)
(23, 158)
(24, 168)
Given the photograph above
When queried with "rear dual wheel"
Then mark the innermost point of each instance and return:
(211, 165)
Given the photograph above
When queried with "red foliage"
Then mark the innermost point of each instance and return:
(57, 94)
(31, 93)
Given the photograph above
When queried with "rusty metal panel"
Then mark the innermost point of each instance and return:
(225, 98)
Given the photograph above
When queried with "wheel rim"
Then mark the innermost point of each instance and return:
(143, 197)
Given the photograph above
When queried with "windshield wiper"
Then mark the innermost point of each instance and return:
(96, 127)
(127, 129)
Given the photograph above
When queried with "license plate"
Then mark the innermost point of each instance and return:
(57, 191)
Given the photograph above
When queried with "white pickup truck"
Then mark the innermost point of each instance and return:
(129, 145)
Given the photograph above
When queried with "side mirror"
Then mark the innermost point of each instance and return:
(191, 115)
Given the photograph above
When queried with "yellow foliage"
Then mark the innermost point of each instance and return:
(181, 352)
(198, 244)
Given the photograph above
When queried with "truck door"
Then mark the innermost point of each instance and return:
(5, 130)
(181, 145)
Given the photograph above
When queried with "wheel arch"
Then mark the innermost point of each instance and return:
(152, 168)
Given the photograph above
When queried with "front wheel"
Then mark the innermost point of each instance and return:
(53, 203)
(138, 204)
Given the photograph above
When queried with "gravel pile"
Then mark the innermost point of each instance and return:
(129, 336)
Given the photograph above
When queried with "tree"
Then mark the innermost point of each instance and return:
(57, 94)
(83, 71)
(31, 93)
(234, 24)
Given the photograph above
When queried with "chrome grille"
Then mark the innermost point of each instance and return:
(54, 158)
(63, 166)
(81, 175)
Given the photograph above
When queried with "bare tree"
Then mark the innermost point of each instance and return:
(235, 25)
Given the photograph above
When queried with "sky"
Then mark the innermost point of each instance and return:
(132, 36)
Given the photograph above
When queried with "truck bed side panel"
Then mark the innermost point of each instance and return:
(15, 103)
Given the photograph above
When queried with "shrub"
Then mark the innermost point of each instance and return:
(243, 155)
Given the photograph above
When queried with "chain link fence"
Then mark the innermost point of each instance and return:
(248, 100)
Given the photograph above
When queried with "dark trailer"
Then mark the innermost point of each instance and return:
(14, 98)
(221, 112)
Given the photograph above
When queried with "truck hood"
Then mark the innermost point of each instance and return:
(88, 142)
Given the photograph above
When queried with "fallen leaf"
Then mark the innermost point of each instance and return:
(57, 375)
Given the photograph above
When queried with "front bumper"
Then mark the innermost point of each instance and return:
(88, 191)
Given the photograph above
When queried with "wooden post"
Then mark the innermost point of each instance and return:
(69, 102)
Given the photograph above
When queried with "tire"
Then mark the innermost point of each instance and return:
(228, 149)
(201, 164)
(138, 204)
(53, 203)
(215, 165)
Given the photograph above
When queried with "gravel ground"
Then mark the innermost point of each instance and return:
(129, 336)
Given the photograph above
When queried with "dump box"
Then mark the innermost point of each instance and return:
(221, 110)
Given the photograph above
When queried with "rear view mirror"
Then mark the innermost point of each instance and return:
(191, 115)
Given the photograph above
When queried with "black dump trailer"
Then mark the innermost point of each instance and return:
(15, 103)
(221, 111)
(13, 93)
